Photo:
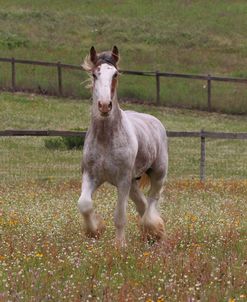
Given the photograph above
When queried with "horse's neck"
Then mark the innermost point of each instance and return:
(106, 128)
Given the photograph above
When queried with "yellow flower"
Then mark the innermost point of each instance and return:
(89, 247)
(231, 300)
(2, 258)
(39, 255)
(13, 222)
(237, 223)
(193, 218)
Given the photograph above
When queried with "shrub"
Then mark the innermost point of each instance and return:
(12, 41)
(73, 142)
(54, 143)
(65, 143)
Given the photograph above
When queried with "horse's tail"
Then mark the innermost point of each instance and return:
(144, 181)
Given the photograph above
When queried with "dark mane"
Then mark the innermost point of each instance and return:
(106, 57)
(103, 57)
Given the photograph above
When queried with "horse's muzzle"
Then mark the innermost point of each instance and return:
(104, 107)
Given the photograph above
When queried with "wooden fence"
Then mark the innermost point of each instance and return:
(181, 134)
(157, 74)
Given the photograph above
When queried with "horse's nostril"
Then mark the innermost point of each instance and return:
(105, 107)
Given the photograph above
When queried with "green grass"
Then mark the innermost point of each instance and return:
(178, 36)
(20, 155)
(28, 158)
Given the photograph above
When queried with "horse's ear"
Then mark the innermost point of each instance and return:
(93, 55)
(115, 54)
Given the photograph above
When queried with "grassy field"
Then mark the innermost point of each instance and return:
(177, 36)
(44, 254)
(28, 158)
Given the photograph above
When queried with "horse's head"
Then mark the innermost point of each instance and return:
(104, 70)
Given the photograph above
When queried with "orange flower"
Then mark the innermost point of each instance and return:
(146, 254)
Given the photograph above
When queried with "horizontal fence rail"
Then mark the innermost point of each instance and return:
(202, 133)
(172, 134)
(42, 133)
(156, 74)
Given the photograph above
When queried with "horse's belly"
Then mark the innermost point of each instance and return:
(143, 163)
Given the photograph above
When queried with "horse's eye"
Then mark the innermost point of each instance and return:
(115, 75)
(94, 76)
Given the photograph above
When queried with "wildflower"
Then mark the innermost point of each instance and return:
(231, 300)
(39, 255)
(146, 254)
(193, 218)
(2, 258)
(13, 222)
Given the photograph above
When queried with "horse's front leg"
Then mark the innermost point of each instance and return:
(94, 223)
(120, 211)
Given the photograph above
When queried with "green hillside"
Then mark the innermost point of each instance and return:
(182, 36)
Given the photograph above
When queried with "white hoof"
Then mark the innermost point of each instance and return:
(96, 228)
(153, 226)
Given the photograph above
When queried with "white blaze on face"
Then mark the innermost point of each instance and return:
(103, 76)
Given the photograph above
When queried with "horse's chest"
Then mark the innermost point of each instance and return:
(107, 163)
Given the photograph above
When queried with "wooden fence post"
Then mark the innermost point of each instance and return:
(13, 73)
(59, 77)
(157, 88)
(209, 94)
(203, 157)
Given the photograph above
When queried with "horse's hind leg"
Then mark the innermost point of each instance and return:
(94, 223)
(153, 224)
(138, 198)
